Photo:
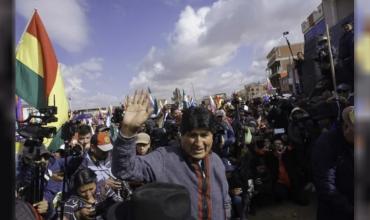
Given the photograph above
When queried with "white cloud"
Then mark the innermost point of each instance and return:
(190, 26)
(94, 101)
(78, 77)
(91, 69)
(65, 21)
(207, 38)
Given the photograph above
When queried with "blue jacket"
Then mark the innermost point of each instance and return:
(333, 173)
(207, 186)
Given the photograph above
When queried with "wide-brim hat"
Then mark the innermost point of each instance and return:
(164, 201)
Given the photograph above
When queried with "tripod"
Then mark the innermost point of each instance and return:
(32, 179)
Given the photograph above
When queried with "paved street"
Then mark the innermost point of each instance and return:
(287, 211)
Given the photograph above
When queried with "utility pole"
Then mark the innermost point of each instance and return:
(291, 61)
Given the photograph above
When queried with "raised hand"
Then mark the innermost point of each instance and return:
(137, 112)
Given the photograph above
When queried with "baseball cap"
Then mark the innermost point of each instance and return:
(143, 138)
(103, 141)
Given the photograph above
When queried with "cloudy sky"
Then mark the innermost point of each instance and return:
(107, 49)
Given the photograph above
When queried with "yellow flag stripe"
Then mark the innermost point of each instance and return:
(61, 102)
(30, 54)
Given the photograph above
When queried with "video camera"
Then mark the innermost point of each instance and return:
(69, 129)
(35, 129)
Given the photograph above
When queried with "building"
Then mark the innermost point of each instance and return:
(242, 93)
(333, 13)
(218, 99)
(279, 59)
(255, 90)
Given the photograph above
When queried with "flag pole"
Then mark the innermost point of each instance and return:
(25, 29)
(194, 92)
(333, 73)
(331, 62)
(332, 65)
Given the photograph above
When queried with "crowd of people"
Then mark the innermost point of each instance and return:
(222, 163)
(242, 156)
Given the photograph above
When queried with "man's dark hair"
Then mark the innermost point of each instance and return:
(197, 117)
(82, 177)
(84, 129)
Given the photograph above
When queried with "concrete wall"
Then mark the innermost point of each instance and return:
(336, 10)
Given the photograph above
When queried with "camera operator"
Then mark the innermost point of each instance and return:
(71, 131)
(32, 177)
